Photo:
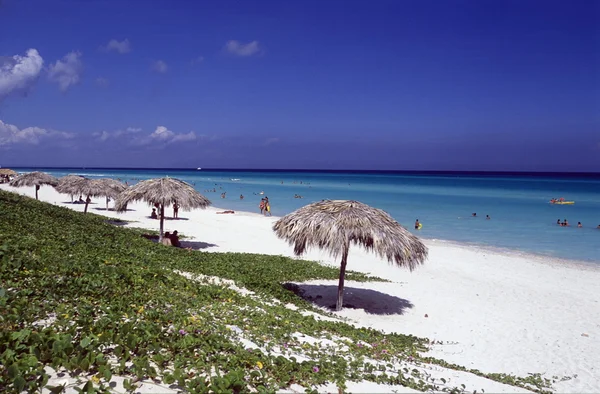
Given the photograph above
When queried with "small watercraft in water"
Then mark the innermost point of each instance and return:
(561, 201)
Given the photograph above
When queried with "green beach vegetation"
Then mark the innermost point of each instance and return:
(95, 301)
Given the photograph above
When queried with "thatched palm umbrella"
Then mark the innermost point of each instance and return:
(36, 179)
(112, 188)
(334, 225)
(92, 188)
(7, 171)
(70, 184)
(162, 191)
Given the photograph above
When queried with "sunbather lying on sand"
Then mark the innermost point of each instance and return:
(222, 212)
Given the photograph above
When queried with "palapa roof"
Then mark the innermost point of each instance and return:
(7, 171)
(112, 187)
(34, 179)
(335, 225)
(70, 184)
(165, 191)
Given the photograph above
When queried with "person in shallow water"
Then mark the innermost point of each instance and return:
(579, 225)
(487, 217)
(474, 214)
(417, 224)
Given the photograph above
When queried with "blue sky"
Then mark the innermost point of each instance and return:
(431, 85)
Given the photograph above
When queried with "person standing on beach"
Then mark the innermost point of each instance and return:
(262, 206)
(175, 210)
(267, 208)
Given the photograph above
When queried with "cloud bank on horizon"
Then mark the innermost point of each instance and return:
(396, 86)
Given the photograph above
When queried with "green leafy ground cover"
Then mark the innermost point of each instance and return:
(97, 301)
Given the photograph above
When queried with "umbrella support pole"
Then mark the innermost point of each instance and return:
(162, 222)
(37, 187)
(86, 204)
(340, 299)
(107, 203)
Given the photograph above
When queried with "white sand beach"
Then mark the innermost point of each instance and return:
(491, 311)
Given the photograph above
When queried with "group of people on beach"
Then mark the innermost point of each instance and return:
(155, 214)
(171, 239)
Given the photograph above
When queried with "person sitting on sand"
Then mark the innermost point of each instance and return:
(224, 212)
(80, 201)
(153, 215)
(167, 239)
(175, 239)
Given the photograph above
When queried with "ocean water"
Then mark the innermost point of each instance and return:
(521, 217)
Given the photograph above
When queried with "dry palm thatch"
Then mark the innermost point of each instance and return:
(92, 188)
(164, 192)
(36, 179)
(70, 184)
(112, 188)
(7, 171)
(334, 225)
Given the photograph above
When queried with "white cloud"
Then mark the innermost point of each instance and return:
(160, 67)
(106, 135)
(191, 136)
(118, 46)
(66, 72)
(132, 135)
(18, 73)
(166, 136)
(162, 134)
(11, 134)
(237, 48)
(102, 82)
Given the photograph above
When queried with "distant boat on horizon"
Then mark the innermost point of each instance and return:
(199, 168)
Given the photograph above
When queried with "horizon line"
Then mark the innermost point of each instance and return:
(483, 172)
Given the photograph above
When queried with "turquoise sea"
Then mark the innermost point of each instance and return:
(521, 217)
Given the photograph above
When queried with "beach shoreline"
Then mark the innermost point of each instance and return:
(494, 312)
(509, 252)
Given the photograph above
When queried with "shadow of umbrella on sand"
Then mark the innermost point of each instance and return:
(165, 192)
(36, 179)
(371, 301)
(334, 225)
